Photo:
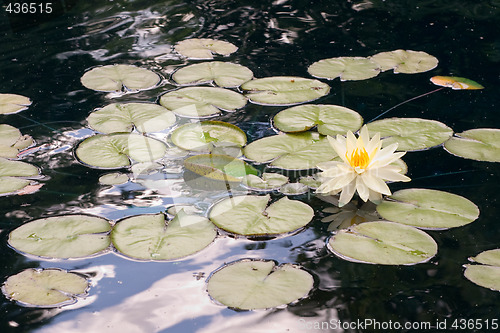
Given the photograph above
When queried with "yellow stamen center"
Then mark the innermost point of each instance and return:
(359, 158)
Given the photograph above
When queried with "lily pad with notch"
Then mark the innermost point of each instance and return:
(153, 237)
(223, 74)
(296, 151)
(13, 103)
(118, 77)
(118, 150)
(383, 243)
(346, 68)
(199, 102)
(329, 119)
(45, 288)
(16, 175)
(114, 178)
(284, 90)
(487, 273)
(12, 141)
(266, 183)
(405, 61)
(258, 284)
(250, 215)
(411, 134)
(62, 237)
(145, 117)
(204, 48)
(219, 167)
(428, 209)
(481, 144)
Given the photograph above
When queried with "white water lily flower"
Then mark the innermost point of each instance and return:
(365, 168)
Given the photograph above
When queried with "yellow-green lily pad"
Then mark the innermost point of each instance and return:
(219, 167)
(487, 273)
(204, 48)
(12, 141)
(13, 103)
(405, 61)
(346, 68)
(481, 144)
(15, 175)
(223, 74)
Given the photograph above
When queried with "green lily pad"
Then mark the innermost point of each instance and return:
(384, 243)
(50, 287)
(456, 83)
(12, 103)
(111, 78)
(268, 182)
(219, 167)
(197, 102)
(111, 151)
(65, 236)
(223, 74)
(488, 274)
(284, 90)
(298, 151)
(428, 209)
(14, 174)
(408, 62)
(294, 189)
(203, 136)
(145, 117)
(204, 48)
(330, 119)
(481, 144)
(347, 68)
(113, 178)
(12, 141)
(152, 237)
(411, 134)
(258, 284)
(248, 215)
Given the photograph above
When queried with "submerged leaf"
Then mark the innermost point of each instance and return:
(347, 68)
(284, 90)
(197, 102)
(408, 62)
(258, 284)
(145, 117)
(50, 287)
(65, 236)
(152, 237)
(111, 151)
(12, 103)
(384, 243)
(330, 119)
(411, 134)
(111, 78)
(224, 74)
(428, 209)
(456, 83)
(481, 144)
(204, 48)
(248, 215)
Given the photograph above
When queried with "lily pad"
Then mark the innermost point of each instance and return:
(408, 62)
(219, 167)
(200, 102)
(481, 144)
(488, 274)
(294, 189)
(111, 151)
(127, 78)
(384, 243)
(48, 288)
(12, 141)
(203, 136)
(268, 182)
(346, 68)
(248, 215)
(204, 48)
(258, 284)
(456, 83)
(411, 134)
(330, 119)
(12, 103)
(114, 178)
(65, 236)
(152, 237)
(428, 209)
(144, 117)
(223, 74)
(14, 175)
(297, 151)
(284, 90)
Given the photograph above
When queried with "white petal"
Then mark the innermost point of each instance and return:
(374, 145)
(362, 189)
(363, 134)
(339, 145)
(347, 193)
(328, 188)
(351, 143)
(375, 183)
(390, 173)
(375, 197)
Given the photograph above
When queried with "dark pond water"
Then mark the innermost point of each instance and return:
(44, 56)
